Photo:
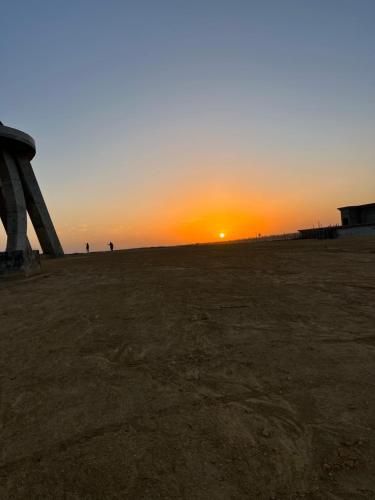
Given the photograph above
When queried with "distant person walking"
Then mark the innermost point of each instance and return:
(87, 247)
(110, 244)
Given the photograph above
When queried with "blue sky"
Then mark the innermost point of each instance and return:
(149, 114)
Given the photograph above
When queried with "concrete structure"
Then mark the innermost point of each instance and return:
(358, 214)
(356, 220)
(361, 230)
(19, 194)
(318, 233)
(19, 261)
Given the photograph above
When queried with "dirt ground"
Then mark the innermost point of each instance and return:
(233, 371)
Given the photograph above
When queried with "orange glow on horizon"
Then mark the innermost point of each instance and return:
(187, 214)
(181, 225)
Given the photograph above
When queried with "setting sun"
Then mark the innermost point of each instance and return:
(222, 235)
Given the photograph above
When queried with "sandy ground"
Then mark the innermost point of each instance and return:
(206, 372)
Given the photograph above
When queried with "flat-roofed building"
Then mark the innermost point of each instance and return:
(358, 214)
(356, 220)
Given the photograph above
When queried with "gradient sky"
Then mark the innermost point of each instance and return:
(169, 121)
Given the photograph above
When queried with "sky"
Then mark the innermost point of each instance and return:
(161, 122)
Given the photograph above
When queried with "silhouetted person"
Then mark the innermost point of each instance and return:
(111, 246)
(87, 247)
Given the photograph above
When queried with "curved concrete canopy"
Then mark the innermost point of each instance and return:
(20, 193)
(16, 141)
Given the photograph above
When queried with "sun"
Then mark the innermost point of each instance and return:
(222, 235)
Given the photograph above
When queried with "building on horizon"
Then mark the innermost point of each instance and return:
(355, 215)
(356, 220)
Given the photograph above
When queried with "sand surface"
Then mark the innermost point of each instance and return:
(206, 372)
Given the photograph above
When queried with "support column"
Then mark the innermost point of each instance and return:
(3, 215)
(3, 218)
(14, 202)
(38, 211)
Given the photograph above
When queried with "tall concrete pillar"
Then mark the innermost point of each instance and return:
(20, 193)
(38, 211)
(14, 201)
(3, 213)
(3, 218)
